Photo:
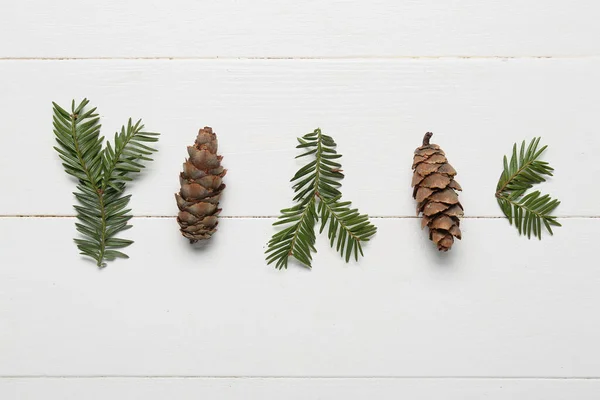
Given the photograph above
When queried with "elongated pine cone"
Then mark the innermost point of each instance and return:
(435, 192)
(201, 188)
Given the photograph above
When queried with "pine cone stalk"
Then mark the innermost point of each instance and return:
(435, 192)
(201, 188)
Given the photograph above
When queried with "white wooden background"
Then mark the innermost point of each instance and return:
(499, 317)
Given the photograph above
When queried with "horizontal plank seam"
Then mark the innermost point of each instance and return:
(333, 58)
(39, 216)
(224, 377)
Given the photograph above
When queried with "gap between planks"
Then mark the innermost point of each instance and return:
(332, 58)
(283, 377)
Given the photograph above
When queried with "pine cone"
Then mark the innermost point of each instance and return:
(435, 192)
(201, 188)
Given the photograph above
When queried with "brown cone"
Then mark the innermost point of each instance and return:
(435, 192)
(201, 188)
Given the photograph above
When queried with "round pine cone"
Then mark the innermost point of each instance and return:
(435, 192)
(201, 188)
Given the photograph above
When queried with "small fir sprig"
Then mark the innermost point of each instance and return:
(317, 193)
(102, 174)
(527, 211)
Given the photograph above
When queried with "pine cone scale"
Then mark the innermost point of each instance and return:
(422, 193)
(425, 169)
(436, 159)
(436, 181)
(434, 208)
(434, 189)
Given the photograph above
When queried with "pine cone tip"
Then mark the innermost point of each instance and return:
(427, 138)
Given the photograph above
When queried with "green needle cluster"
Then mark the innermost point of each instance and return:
(317, 192)
(532, 210)
(102, 174)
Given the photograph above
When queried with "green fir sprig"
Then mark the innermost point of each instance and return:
(317, 192)
(102, 174)
(527, 211)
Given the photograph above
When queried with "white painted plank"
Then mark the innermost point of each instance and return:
(296, 389)
(377, 110)
(288, 28)
(496, 305)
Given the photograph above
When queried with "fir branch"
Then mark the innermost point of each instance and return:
(102, 174)
(348, 225)
(317, 191)
(322, 175)
(297, 240)
(122, 161)
(527, 211)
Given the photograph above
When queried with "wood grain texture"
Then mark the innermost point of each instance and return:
(297, 389)
(404, 311)
(287, 28)
(378, 112)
